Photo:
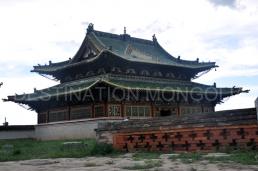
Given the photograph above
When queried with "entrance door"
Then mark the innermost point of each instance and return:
(165, 112)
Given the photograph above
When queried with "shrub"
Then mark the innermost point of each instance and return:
(102, 149)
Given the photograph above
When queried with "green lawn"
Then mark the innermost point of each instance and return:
(33, 149)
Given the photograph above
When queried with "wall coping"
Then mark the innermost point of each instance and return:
(81, 120)
(17, 128)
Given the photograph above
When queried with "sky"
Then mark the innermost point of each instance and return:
(35, 31)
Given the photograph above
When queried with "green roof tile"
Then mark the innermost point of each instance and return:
(128, 48)
(133, 83)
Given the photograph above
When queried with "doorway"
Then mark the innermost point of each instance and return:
(165, 112)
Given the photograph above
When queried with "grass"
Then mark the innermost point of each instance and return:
(32, 149)
(146, 155)
(148, 164)
(90, 164)
(241, 157)
(188, 157)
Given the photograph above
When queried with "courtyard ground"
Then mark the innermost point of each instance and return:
(164, 162)
(81, 155)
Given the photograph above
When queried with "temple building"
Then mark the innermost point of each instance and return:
(119, 76)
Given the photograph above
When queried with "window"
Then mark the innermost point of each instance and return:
(81, 112)
(101, 71)
(89, 73)
(191, 109)
(57, 115)
(99, 111)
(170, 75)
(42, 117)
(138, 111)
(208, 109)
(145, 73)
(130, 71)
(79, 76)
(114, 110)
(116, 70)
(141, 111)
(157, 74)
(68, 78)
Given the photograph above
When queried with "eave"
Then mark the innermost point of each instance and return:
(52, 69)
(136, 83)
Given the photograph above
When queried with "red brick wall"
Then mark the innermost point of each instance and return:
(189, 139)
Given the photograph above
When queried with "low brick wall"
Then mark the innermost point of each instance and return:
(198, 132)
(17, 132)
(193, 139)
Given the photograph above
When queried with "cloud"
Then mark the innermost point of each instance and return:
(30, 35)
(228, 3)
(224, 41)
(19, 85)
(112, 30)
(85, 24)
(69, 46)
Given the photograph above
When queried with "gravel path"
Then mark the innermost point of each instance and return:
(117, 164)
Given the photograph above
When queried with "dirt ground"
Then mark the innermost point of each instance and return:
(124, 162)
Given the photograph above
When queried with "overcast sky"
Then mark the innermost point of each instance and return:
(36, 31)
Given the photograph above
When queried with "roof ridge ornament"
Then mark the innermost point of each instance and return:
(154, 39)
(90, 27)
(124, 30)
(125, 36)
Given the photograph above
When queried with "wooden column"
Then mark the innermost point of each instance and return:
(152, 110)
(69, 112)
(92, 111)
(122, 109)
(38, 117)
(106, 109)
(202, 108)
(47, 116)
(178, 109)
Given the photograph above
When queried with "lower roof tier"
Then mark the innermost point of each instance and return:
(124, 82)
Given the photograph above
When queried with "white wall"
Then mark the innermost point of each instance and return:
(14, 134)
(69, 129)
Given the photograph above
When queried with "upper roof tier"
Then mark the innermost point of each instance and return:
(123, 46)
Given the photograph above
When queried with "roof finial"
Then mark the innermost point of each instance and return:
(154, 39)
(5, 122)
(124, 30)
(90, 27)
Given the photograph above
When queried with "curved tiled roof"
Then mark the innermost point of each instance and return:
(129, 48)
(129, 83)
